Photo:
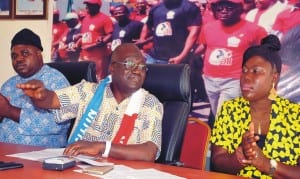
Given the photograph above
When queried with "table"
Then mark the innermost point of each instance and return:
(33, 169)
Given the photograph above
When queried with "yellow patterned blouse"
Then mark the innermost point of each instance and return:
(282, 141)
(147, 126)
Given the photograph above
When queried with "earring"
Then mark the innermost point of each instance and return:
(272, 94)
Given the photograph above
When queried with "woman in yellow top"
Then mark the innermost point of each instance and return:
(258, 135)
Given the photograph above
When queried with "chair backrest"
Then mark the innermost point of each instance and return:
(195, 144)
(171, 85)
(76, 71)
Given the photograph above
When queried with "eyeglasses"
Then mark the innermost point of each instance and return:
(130, 65)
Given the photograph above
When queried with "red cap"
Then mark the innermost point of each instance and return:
(99, 2)
(233, 1)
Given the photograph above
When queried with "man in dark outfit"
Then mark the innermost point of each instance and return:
(174, 25)
(125, 30)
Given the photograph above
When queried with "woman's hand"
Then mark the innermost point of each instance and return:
(240, 156)
(259, 160)
(253, 154)
(249, 143)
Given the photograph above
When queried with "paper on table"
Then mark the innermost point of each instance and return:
(119, 171)
(41, 155)
(124, 172)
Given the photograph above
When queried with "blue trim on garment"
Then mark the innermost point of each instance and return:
(90, 113)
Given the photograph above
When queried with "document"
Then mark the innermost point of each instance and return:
(119, 171)
(124, 172)
(41, 155)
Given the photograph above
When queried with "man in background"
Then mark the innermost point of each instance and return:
(287, 19)
(174, 25)
(265, 13)
(58, 29)
(125, 30)
(96, 32)
(140, 11)
(223, 42)
(69, 44)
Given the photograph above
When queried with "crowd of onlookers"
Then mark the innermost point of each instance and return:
(176, 32)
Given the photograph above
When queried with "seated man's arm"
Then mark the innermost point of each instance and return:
(40, 96)
(7, 110)
(37, 117)
(146, 151)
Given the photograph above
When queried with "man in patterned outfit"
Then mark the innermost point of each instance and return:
(21, 122)
(126, 120)
(96, 32)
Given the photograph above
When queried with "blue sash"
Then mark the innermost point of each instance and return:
(90, 112)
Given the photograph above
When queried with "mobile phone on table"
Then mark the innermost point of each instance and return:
(10, 165)
(59, 163)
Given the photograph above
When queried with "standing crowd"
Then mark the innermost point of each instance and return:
(173, 32)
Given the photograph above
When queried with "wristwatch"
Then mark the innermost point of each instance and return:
(273, 164)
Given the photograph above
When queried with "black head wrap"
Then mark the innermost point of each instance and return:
(26, 37)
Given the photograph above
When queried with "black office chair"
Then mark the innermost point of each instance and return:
(76, 71)
(171, 85)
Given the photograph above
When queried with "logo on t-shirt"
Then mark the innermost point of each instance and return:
(233, 42)
(221, 57)
(170, 15)
(122, 33)
(163, 29)
(86, 37)
(115, 43)
(55, 31)
(92, 27)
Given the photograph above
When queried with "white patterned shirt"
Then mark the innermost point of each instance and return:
(147, 126)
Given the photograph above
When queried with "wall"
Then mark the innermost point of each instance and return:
(8, 30)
